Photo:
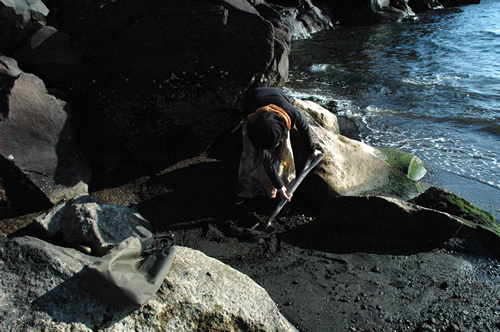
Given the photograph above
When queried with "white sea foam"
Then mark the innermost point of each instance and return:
(319, 68)
(433, 94)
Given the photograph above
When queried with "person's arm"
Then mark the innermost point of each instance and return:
(271, 170)
(274, 177)
(303, 128)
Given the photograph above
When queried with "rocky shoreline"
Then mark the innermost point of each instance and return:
(100, 134)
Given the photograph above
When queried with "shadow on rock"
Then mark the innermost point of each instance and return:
(68, 303)
(382, 226)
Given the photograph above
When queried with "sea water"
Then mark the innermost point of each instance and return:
(429, 86)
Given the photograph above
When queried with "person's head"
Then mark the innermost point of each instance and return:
(267, 131)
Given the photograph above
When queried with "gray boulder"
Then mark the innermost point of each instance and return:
(88, 224)
(41, 289)
(38, 153)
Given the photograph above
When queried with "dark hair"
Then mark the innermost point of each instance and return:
(267, 131)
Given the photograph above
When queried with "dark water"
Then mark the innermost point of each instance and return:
(430, 87)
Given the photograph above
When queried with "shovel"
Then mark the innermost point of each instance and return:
(310, 164)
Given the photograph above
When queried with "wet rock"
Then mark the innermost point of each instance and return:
(363, 12)
(423, 5)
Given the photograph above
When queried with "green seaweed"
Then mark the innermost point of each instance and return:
(406, 163)
(446, 201)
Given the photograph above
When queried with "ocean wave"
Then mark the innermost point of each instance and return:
(432, 80)
(491, 126)
(429, 88)
(317, 68)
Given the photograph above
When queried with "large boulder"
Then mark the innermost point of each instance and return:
(440, 199)
(155, 82)
(382, 224)
(41, 289)
(351, 168)
(41, 163)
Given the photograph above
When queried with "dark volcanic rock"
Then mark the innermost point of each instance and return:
(423, 5)
(157, 80)
(456, 3)
(40, 162)
(301, 17)
(364, 12)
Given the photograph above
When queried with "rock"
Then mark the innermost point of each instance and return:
(407, 163)
(199, 293)
(4, 200)
(157, 83)
(25, 11)
(39, 154)
(20, 195)
(321, 115)
(302, 18)
(48, 45)
(363, 12)
(444, 200)
(18, 20)
(388, 220)
(381, 223)
(86, 222)
(51, 54)
(350, 168)
(423, 5)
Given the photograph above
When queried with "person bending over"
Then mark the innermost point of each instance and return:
(266, 164)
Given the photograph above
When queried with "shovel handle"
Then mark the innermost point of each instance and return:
(310, 164)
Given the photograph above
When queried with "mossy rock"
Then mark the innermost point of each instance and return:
(416, 169)
(446, 201)
(405, 162)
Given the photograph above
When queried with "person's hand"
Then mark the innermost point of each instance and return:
(315, 154)
(284, 194)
